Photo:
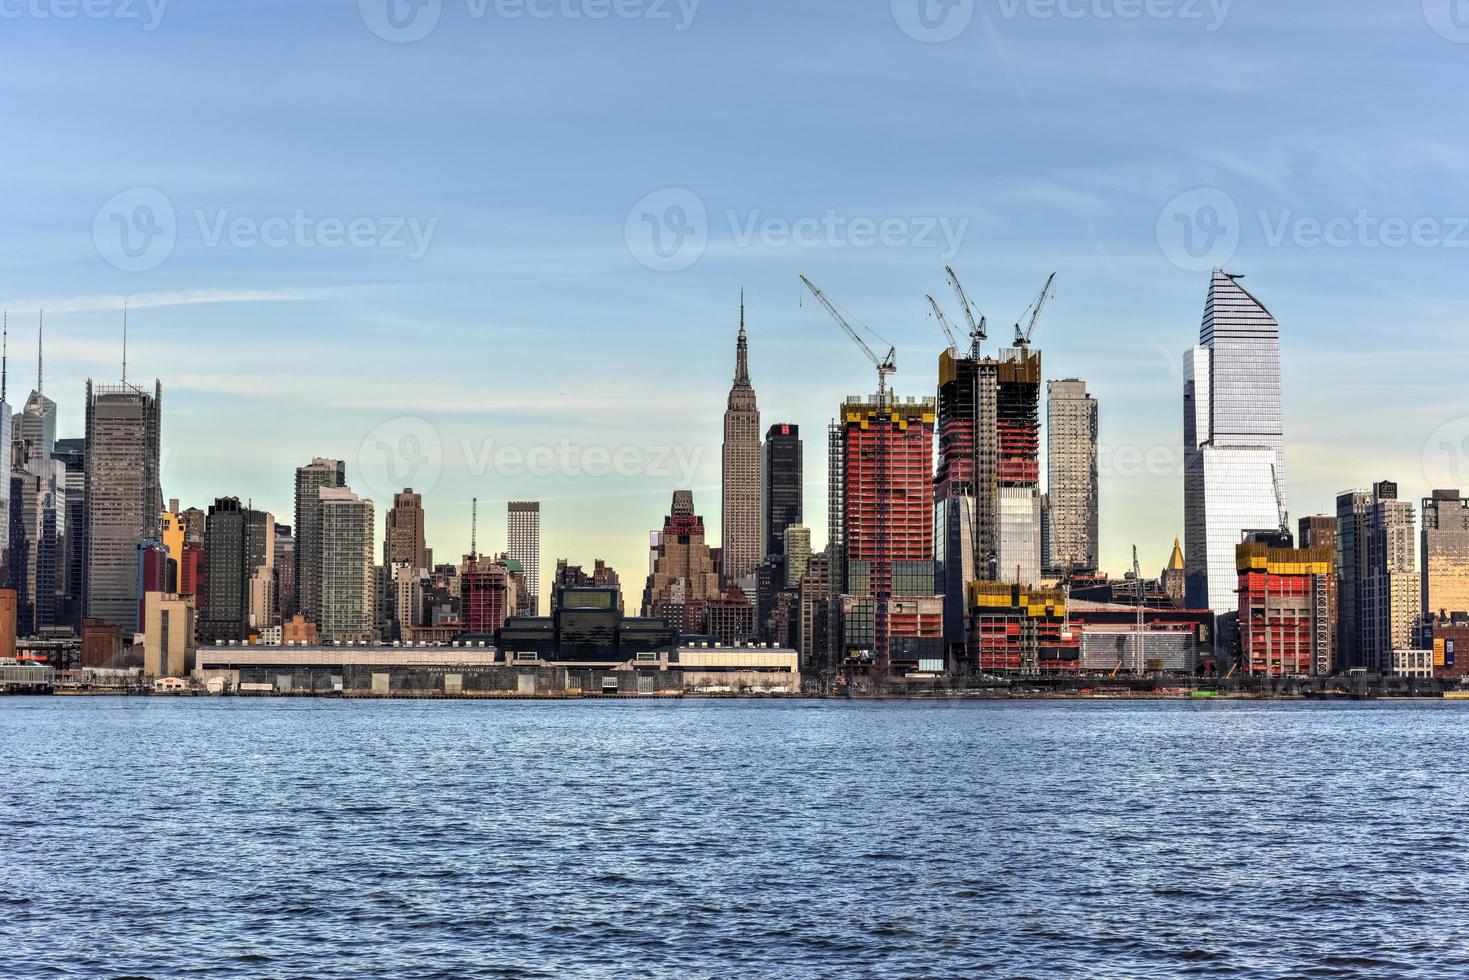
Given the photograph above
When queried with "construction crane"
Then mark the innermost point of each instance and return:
(944, 325)
(1022, 334)
(977, 329)
(885, 366)
(1280, 510)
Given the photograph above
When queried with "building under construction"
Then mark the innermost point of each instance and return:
(1015, 629)
(883, 447)
(1018, 466)
(1285, 614)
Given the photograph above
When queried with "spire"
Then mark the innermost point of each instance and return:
(40, 344)
(124, 341)
(1175, 561)
(742, 354)
(4, 355)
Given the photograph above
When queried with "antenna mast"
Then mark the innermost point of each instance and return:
(474, 528)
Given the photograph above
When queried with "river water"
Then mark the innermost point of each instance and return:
(317, 838)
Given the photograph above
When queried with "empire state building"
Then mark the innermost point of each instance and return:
(740, 511)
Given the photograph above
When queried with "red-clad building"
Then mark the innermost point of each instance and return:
(487, 596)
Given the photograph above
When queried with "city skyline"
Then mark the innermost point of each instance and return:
(522, 266)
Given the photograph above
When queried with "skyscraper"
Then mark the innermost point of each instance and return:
(1285, 615)
(403, 532)
(238, 543)
(1018, 465)
(965, 491)
(1072, 467)
(523, 545)
(890, 614)
(346, 576)
(1234, 443)
(740, 536)
(71, 454)
(310, 480)
(781, 485)
(1445, 555)
(123, 496)
(1380, 594)
(681, 577)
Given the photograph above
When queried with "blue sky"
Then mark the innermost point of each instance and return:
(437, 253)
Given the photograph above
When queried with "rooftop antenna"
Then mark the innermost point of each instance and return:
(4, 355)
(124, 341)
(40, 338)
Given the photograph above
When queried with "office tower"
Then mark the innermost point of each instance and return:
(1445, 561)
(523, 537)
(1379, 593)
(403, 534)
(681, 578)
(1018, 466)
(780, 485)
(123, 496)
(1234, 446)
(890, 614)
(6, 444)
(285, 571)
(964, 488)
(740, 537)
(1286, 621)
(310, 480)
(239, 543)
(71, 456)
(1071, 455)
(346, 576)
(796, 546)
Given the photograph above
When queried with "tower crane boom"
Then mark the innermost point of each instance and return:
(944, 324)
(1022, 335)
(885, 366)
(977, 329)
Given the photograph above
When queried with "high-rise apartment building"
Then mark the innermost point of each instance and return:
(403, 532)
(781, 490)
(1379, 592)
(123, 496)
(523, 544)
(966, 494)
(346, 575)
(740, 536)
(310, 480)
(1234, 443)
(1018, 465)
(797, 549)
(1445, 561)
(1071, 456)
(569, 576)
(890, 614)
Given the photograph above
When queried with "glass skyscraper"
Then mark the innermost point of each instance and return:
(1234, 440)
